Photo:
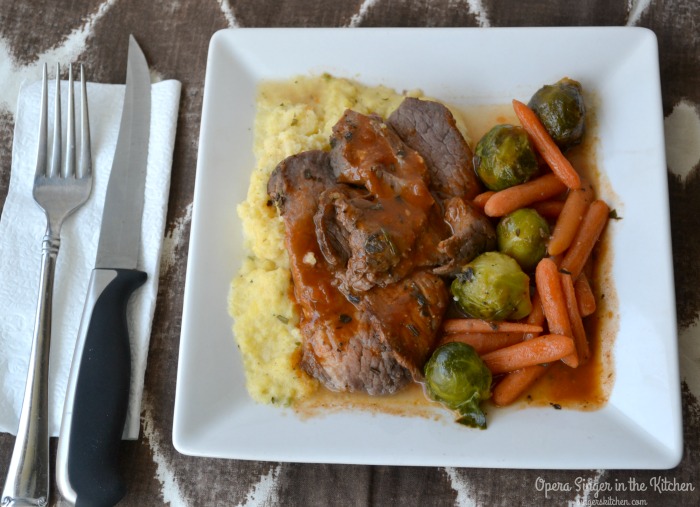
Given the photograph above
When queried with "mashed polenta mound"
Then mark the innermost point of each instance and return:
(292, 116)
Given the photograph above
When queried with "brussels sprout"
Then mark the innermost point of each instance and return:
(561, 110)
(457, 377)
(523, 235)
(493, 287)
(504, 157)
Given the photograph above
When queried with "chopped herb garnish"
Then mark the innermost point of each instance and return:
(390, 243)
(420, 297)
(613, 215)
(282, 319)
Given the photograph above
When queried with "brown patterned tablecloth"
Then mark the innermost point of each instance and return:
(175, 35)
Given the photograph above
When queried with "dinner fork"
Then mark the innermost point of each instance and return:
(59, 192)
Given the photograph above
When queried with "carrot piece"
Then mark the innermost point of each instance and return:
(580, 339)
(484, 342)
(552, 297)
(519, 196)
(556, 259)
(588, 233)
(485, 326)
(536, 316)
(480, 200)
(568, 222)
(584, 296)
(553, 302)
(539, 350)
(546, 146)
(548, 209)
(515, 383)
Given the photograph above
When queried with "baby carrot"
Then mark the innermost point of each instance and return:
(480, 200)
(556, 259)
(568, 222)
(584, 296)
(588, 233)
(485, 326)
(546, 146)
(536, 316)
(548, 209)
(519, 196)
(484, 342)
(553, 302)
(552, 297)
(582, 349)
(539, 350)
(515, 383)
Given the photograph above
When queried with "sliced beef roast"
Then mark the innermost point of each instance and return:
(366, 152)
(381, 221)
(346, 350)
(370, 240)
(345, 346)
(303, 177)
(381, 343)
(430, 128)
(409, 314)
(472, 234)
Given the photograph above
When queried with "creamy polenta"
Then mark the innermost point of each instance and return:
(292, 116)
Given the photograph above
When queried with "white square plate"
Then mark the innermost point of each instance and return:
(640, 427)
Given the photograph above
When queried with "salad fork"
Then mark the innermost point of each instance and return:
(59, 192)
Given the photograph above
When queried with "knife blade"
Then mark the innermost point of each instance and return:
(97, 396)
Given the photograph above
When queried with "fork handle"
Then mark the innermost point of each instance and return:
(28, 475)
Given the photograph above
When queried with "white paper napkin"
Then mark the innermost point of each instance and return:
(22, 228)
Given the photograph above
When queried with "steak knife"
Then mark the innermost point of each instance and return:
(97, 396)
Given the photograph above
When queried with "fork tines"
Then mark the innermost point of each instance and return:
(53, 169)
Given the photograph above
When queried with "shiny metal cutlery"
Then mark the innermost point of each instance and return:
(87, 463)
(59, 191)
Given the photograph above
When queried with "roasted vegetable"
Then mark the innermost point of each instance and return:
(561, 110)
(504, 157)
(523, 235)
(493, 287)
(457, 377)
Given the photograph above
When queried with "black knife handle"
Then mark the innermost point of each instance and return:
(101, 395)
